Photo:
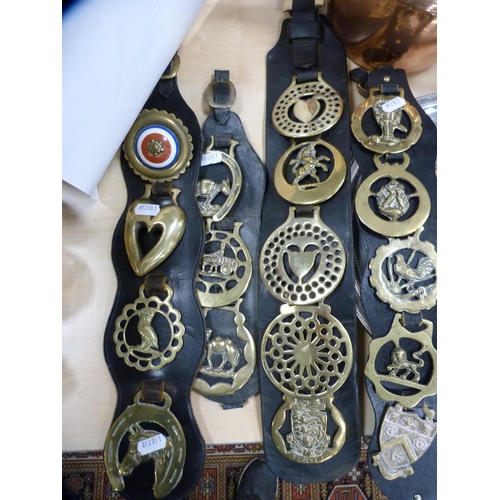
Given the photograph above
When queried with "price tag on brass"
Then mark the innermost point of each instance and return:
(147, 209)
(393, 104)
(151, 444)
(210, 158)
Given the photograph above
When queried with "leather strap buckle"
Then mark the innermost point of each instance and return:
(221, 93)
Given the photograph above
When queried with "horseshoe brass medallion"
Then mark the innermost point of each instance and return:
(138, 320)
(158, 147)
(302, 160)
(207, 190)
(393, 202)
(303, 260)
(168, 461)
(389, 122)
(170, 219)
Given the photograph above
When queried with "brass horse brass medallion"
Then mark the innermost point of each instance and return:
(389, 122)
(168, 460)
(307, 109)
(225, 268)
(404, 437)
(207, 190)
(171, 220)
(158, 146)
(401, 379)
(403, 273)
(156, 327)
(306, 352)
(303, 162)
(230, 365)
(308, 442)
(393, 200)
(303, 260)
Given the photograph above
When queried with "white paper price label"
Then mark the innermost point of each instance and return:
(210, 158)
(149, 445)
(393, 104)
(147, 209)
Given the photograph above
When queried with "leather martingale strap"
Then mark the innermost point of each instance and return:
(154, 339)
(229, 193)
(394, 146)
(308, 347)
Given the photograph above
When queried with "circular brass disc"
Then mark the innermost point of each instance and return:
(154, 351)
(306, 352)
(388, 142)
(303, 260)
(307, 109)
(403, 274)
(305, 167)
(158, 146)
(376, 221)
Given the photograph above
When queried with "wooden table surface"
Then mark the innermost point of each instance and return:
(232, 35)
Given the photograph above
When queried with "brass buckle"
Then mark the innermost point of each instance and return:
(232, 94)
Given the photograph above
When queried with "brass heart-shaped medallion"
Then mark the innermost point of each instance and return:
(306, 109)
(170, 220)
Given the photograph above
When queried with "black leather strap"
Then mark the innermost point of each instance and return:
(223, 126)
(379, 314)
(178, 271)
(305, 47)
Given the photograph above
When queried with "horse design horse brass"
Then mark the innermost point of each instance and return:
(168, 460)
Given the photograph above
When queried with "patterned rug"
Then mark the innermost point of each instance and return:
(84, 477)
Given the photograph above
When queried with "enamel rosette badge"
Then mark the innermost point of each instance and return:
(158, 146)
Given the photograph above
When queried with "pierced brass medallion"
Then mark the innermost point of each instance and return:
(389, 122)
(404, 437)
(156, 325)
(158, 146)
(223, 357)
(225, 268)
(403, 273)
(392, 200)
(303, 260)
(306, 352)
(168, 461)
(308, 442)
(400, 380)
(207, 190)
(170, 220)
(302, 161)
(307, 109)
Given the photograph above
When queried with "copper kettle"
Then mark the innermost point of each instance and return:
(400, 33)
